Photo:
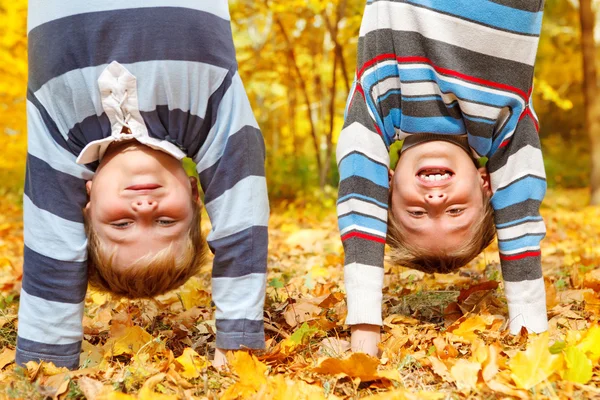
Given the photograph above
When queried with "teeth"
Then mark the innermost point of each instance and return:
(434, 177)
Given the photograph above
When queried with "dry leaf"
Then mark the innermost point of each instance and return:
(91, 388)
(131, 340)
(465, 374)
(468, 327)
(358, 365)
(532, 366)
(440, 369)
(6, 357)
(147, 392)
(333, 347)
(301, 311)
(190, 364)
(251, 373)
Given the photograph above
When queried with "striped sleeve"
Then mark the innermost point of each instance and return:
(519, 184)
(54, 269)
(231, 168)
(363, 159)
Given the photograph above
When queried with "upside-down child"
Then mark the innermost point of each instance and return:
(454, 81)
(118, 95)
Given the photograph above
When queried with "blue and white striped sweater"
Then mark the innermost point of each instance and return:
(434, 66)
(190, 93)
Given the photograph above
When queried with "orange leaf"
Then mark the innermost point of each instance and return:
(251, 373)
(358, 365)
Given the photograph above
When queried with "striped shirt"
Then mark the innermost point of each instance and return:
(446, 67)
(190, 94)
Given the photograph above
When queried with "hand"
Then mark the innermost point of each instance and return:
(220, 360)
(365, 339)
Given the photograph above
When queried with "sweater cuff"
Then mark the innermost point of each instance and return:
(527, 305)
(240, 341)
(69, 361)
(237, 334)
(364, 285)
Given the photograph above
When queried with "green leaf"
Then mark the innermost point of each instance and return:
(557, 347)
(276, 283)
(303, 333)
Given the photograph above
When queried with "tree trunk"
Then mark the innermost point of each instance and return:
(338, 58)
(591, 92)
(303, 89)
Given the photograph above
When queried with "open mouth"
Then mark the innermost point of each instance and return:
(435, 174)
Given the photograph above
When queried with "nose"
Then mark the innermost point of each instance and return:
(144, 205)
(435, 198)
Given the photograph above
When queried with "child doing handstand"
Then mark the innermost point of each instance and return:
(454, 81)
(128, 90)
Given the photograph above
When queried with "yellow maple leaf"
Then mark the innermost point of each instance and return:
(535, 364)
(578, 366)
(190, 364)
(468, 327)
(465, 374)
(251, 373)
(130, 341)
(590, 344)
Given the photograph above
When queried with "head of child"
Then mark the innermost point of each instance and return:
(142, 221)
(440, 213)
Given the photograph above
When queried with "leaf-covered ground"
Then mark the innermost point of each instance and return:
(444, 335)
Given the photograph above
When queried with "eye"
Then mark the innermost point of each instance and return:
(417, 213)
(120, 224)
(456, 211)
(165, 222)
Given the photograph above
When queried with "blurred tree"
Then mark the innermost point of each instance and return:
(297, 58)
(590, 90)
(13, 78)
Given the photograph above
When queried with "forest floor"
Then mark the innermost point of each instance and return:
(444, 336)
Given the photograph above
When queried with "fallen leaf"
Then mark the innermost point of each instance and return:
(91, 388)
(129, 342)
(6, 357)
(251, 373)
(147, 392)
(590, 344)
(440, 369)
(468, 327)
(301, 311)
(190, 364)
(578, 366)
(333, 347)
(483, 286)
(465, 374)
(395, 319)
(358, 365)
(536, 363)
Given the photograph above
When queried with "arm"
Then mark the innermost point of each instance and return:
(231, 168)
(519, 184)
(363, 160)
(54, 270)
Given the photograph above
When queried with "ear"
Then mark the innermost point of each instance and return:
(390, 176)
(485, 181)
(194, 185)
(88, 189)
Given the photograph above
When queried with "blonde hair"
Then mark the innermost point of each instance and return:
(410, 256)
(150, 275)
